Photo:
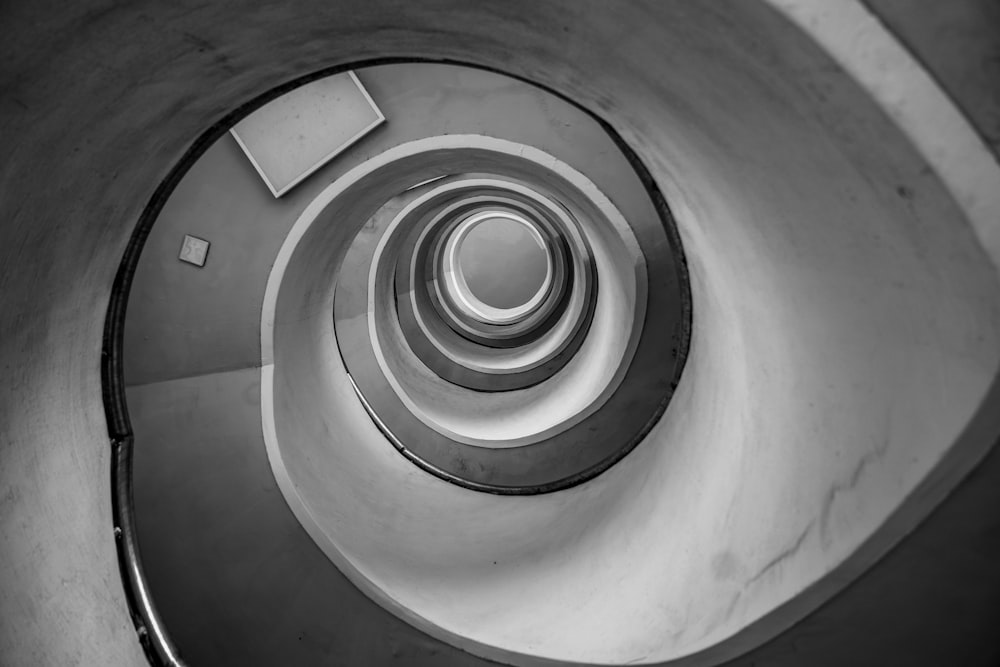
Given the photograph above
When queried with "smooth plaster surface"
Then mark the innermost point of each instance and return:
(86, 150)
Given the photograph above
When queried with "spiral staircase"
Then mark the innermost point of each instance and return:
(626, 333)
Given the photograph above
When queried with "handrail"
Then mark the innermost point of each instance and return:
(155, 642)
(156, 645)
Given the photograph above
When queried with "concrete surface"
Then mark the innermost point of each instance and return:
(87, 149)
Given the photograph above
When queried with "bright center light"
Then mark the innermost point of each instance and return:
(503, 260)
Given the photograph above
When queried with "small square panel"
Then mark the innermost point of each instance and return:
(297, 133)
(194, 250)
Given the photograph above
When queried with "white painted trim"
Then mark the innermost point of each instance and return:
(454, 277)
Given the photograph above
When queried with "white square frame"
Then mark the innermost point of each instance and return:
(379, 119)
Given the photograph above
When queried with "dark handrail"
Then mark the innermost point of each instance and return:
(157, 646)
(155, 643)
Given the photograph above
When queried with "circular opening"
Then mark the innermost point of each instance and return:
(504, 261)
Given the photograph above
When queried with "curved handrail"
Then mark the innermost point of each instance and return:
(153, 638)
(155, 643)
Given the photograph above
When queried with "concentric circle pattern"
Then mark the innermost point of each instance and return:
(563, 376)
(445, 291)
(379, 375)
(503, 262)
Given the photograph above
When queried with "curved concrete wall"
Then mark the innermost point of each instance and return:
(87, 150)
(839, 299)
